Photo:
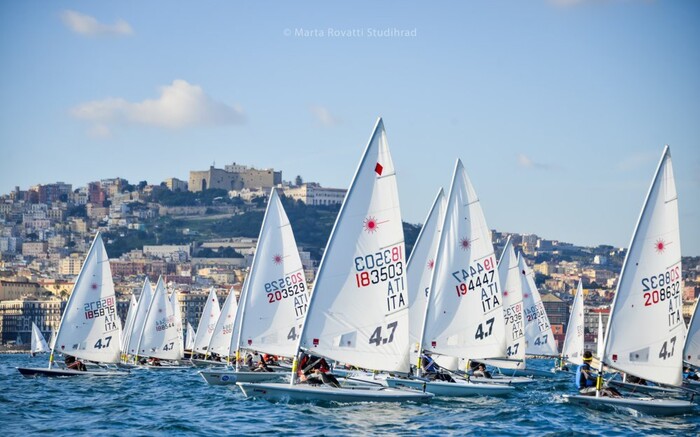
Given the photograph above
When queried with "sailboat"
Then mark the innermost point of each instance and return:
(464, 314)
(539, 337)
(572, 349)
(691, 350)
(128, 326)
(90, 327)
(358, 310)
(134, 332)
(512, 293)
(189, 340)
(205, 328)
(420, 268)
(162, 330)
(646, 327)
(38, 345)
(220, 342)
(273, 302)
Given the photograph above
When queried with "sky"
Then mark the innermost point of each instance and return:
(559, 109)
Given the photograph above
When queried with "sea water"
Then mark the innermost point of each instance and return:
(151, 403)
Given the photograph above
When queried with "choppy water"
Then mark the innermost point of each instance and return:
(181, 403)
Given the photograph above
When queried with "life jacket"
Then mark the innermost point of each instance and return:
(581, 380)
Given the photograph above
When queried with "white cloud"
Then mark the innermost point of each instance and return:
(323, 115)
(100, 131)
(525, 162)
(87, 25)
(179, 105)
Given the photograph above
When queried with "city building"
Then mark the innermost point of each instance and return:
(233, 177)
(71, 265)
(18, 288)
(175, 184)
(168, 252)
(314, 194)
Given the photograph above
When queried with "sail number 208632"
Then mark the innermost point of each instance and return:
(661, 287)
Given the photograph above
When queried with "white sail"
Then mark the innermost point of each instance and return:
(38, 341)
(646, 332)
(420, 269)
(464, 316)
(177, 313)
(601, 337)
(691, 351)
(572, 349)
(144, 303)
(512, 292)
(160, 337)
(465, 298)
(358, 311)
(190, 337)
(220, 342)
(277, 295)
(128, 323)
(90, 327)
(52, 340)
(207, 322)
(539, 337)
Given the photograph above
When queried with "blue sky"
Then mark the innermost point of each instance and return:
(558, 108)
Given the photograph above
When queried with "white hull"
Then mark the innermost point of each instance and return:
(207, 363)
(452, 389)
(500, 379)
(230, 377)
(648, 389)
(56, 372)
(164, 367)
(325, 393)
(655, 407)
(527, 372)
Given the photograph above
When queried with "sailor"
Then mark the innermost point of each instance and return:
(315, 371)
(585, 378)
(480, 371)
(431, 370)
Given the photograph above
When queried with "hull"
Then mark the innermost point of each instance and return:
(28, 372)
(207, 363)
(230, 377)
(165, 367)
(452, 389)
(527, 372)
(654, 407)
(305, 393)
(648, 389)
(500, 379)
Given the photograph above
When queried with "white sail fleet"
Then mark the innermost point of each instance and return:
(450, 305)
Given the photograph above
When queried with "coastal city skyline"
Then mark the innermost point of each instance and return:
(558, 109)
